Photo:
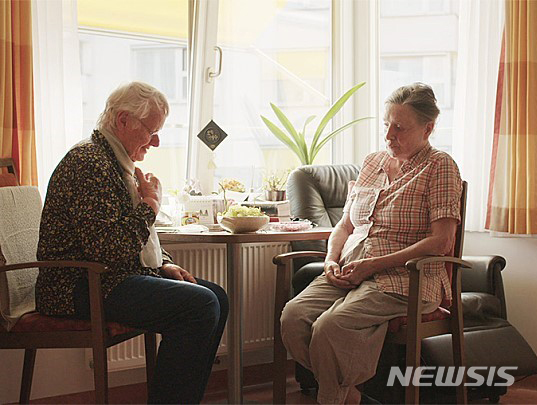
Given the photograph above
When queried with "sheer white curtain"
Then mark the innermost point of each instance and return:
(480, 33)
(57, 83)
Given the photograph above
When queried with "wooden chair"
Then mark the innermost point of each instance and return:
(409, 330)
(35, 331)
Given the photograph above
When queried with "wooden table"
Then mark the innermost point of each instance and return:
(234, 288)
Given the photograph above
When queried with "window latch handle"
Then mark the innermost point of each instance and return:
(212, 74)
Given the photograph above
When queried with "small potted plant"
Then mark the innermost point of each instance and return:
(274, 185)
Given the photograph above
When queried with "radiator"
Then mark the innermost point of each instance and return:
(208, 261)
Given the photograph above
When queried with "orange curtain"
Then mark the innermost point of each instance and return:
(512, 204)
(17, 128)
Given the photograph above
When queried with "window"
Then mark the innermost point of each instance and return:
(109, 60)
(427, 52)
(398, 8)
(273, 52)
(144, 45)
(166, 67)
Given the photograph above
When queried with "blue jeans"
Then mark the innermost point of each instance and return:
(190, 317)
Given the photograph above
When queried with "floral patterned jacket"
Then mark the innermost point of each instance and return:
(88, 215)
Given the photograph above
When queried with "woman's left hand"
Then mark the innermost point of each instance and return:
(357, 271)
(175, 272)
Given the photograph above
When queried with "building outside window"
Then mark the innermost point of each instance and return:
(418, 43)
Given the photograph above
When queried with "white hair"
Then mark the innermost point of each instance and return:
(137, 98)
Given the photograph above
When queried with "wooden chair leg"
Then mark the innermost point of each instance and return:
(279, 387)
(413, 336)
(150, 341)
(27, 375)
(457, 342)
(100, 373)
(457, 337)
(412, 392)
(462, 397)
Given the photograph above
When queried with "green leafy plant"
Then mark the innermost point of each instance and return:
(296, 140)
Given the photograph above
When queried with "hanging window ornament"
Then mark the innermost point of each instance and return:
(212, 135)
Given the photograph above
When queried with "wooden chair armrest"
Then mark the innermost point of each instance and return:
(93, 267)
(417, 263)
(414, 297)
(285, 257)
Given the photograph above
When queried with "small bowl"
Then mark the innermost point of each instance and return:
(243, 224)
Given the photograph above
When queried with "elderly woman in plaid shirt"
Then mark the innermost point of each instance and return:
(404, 204)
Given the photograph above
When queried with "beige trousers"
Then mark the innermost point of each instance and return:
(339, 334)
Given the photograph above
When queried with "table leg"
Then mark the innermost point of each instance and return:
(234, 323)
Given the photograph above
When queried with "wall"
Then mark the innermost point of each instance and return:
(519, 275)
(57, 372)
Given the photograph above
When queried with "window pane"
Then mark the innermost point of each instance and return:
(274, 52)
(109, 59)
(398, 8)
(415, 57)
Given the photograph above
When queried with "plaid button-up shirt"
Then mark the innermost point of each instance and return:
(389, 217)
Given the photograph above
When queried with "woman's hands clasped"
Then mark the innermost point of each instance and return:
(350, 275)
(358, 270)
(333, 273)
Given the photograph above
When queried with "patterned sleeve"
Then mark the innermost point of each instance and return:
(106, 232)
(445, 188)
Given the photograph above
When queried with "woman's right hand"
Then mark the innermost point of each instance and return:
(150, 189)
(332, 272)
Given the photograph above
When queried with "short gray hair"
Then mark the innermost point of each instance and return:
(137, 98)
(420, 97)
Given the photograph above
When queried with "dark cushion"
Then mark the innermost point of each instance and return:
(485, 276)
(481, 310)
(318, 193)
(305, 275)
(502, 346)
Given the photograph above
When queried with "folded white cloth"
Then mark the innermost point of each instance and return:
(151, 254)
(20, 215)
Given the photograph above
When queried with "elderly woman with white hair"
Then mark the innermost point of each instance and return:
(100, 207)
